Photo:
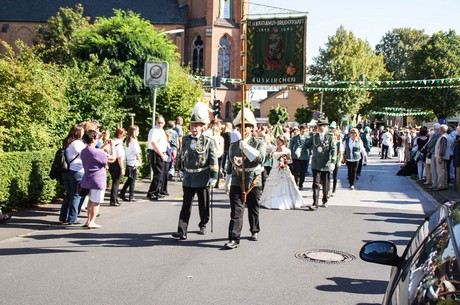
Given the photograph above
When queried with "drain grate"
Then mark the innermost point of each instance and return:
(325, 256)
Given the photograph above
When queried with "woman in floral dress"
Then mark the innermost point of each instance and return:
(280, 191)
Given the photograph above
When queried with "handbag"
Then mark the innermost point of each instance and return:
(417, 156)
(83, 192)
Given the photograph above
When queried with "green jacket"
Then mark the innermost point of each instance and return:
(296, 145)
(253, 170)
(198, 161)
(323, 153)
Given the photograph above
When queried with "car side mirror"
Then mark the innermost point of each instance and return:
(380, 252)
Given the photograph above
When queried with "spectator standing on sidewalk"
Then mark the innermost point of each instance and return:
(442, 157)
(199, 164)
(133, 162)
(431, 153)
(117, 168)
(157, 146)
(457, 158)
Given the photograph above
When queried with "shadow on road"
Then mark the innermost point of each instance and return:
(358, 286)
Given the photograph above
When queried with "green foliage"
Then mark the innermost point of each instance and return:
(94, 93)
(237, 107)
(438, 58)
(277, 115)
(303, 115)
(347, 58)
(24, 179)
(32, 103)
(55, 39)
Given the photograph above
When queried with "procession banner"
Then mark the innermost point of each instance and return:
(276, 51)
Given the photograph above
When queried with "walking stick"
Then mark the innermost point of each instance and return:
(212, 199)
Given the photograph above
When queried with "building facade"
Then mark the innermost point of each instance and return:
(206, 32)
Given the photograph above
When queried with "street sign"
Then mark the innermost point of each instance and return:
(156, 74)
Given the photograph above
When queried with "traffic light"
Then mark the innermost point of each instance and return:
(215, 82)
(216, 108)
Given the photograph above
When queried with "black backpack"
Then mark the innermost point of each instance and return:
(60, 165)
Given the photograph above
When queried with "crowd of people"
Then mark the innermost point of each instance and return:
(258, 166)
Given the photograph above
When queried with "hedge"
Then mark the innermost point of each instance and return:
(25, 181)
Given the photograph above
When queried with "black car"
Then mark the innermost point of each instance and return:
(428, 271)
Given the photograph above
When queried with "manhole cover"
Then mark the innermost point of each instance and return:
(325, 256)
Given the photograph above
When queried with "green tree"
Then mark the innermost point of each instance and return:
(277, 115)
(303, 115)
(347, 58)
(237, 107)
(127, 41)
(92, 92)
(55, 39)
(32, 103)
(398, 48)
(438, 58)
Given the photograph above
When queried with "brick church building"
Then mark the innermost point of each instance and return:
(206, 32)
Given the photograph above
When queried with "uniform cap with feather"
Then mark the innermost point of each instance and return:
(249, 118)
(200, 113)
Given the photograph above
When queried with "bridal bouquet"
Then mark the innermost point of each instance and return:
(282, 162)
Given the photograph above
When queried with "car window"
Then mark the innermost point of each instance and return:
(433, 274)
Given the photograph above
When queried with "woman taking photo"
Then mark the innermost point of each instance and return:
(72, 201)
(95, 177)
(133, 162)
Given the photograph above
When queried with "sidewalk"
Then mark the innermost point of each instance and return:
(45, 217)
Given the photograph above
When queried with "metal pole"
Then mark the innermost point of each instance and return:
(212, 217)
(321, 105)
(154, 105)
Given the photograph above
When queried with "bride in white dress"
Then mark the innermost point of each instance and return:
(280, 191)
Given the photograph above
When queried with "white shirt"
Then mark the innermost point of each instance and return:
(71, 152)
(131, 153)
(386, 139)
(158, 136)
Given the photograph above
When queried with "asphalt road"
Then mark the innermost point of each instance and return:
(134, 260)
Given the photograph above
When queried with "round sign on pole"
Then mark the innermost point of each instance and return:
(156, 73)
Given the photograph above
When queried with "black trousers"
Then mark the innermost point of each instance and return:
(320, 178)
(186, 211)
(158, 168)
(115, 173)
(352, 171)
(385, 151)
(299, 170)
(334, 177)
(131, 173)
(360, 165)
(237, 211)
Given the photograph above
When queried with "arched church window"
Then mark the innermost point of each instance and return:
(223, 66)
(197, 55)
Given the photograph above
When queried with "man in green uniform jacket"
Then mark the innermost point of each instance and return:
(324, 153)
(199, 164)
(254, 157)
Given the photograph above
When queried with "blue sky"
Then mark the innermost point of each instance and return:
(370, 20)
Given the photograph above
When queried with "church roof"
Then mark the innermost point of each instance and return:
(156, 11)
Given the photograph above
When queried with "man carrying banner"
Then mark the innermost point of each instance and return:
(251, 151)
(199, 165)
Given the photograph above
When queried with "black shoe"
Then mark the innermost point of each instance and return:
(132, 200)
(164, 193)
(160, 195)
(123, 197)
(152, 198)
(312, 208)
(324, 205)
(203, 231)
(254, 237)
(116, 204)
(233, 244)
(179, 235)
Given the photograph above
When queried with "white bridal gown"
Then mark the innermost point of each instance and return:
(280, 191)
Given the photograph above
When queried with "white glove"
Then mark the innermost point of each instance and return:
(228, 182)
(250, 152)
(212, 182)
